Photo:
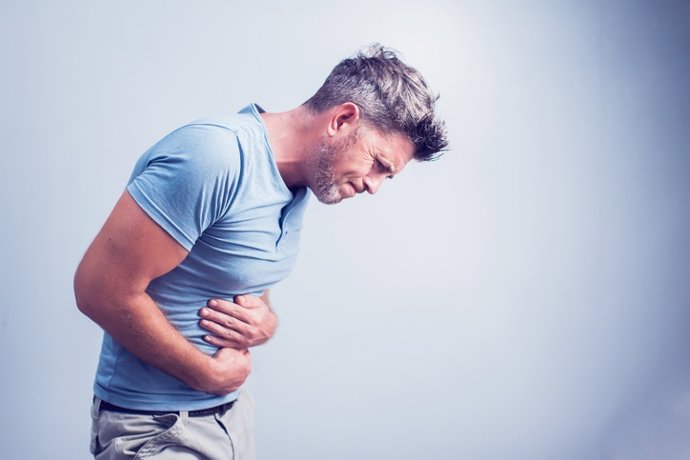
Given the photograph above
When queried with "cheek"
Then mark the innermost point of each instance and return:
(343, 173)
(357, 171)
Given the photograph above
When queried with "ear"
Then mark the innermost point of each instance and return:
(344, 119)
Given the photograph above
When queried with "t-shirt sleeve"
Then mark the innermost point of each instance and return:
(186, 181)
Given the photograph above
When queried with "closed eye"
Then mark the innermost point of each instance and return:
(382, 168)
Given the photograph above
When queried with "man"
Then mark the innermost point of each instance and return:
(213, 211)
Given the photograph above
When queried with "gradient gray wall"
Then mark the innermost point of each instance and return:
(526, 297)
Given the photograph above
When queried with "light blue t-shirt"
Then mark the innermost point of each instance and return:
(214, 186)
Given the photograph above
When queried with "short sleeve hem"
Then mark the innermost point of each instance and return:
(161, 218)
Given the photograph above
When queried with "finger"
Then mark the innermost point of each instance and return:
(248, 301)
(220, 310)
(231, 354)
(225, 332)
(233, 340)
(241, 332)
(224, 343)
(222, 305)
(222, 319)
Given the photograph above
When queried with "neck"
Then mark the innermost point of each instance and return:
(291, 137)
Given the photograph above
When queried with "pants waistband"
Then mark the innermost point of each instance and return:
(105, 405)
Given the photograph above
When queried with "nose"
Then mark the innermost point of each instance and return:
(372, 184)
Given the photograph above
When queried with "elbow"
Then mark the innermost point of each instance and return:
(96, 296)
(80, 296)
(82, 304)
(83, 293)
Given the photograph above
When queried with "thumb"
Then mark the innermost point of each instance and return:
(246, 300)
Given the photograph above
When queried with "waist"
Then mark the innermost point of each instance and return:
(126, 381)
(219, 409)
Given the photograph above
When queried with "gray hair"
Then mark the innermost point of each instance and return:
(391, 96)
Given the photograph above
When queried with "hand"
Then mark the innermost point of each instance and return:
(229, 369)
(247, 322)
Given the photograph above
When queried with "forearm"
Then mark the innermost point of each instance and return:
(138, 324)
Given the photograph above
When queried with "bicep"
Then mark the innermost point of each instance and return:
(128, 252)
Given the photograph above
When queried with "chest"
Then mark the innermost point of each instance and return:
(244, 252)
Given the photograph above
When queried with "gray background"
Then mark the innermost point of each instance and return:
(526, 297)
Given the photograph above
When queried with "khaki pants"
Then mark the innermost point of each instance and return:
(225, 436)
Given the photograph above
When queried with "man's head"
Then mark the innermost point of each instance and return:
(381, 115)
(391, 96)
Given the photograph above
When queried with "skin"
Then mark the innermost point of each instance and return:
(336, 146)
(246, 322)
(334, 153)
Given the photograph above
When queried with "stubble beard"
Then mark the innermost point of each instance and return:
(325, 183)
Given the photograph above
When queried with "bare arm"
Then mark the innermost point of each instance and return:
(128, 252)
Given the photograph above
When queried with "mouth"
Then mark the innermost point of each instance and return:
(349, 191)
(357, 190)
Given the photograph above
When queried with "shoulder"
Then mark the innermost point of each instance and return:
(200, 137)
(196, 148)
(224, 144)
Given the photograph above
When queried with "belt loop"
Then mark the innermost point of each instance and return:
(184, 416)
(95, 407)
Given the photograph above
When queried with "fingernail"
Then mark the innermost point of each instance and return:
(204, 312)
(212, 303)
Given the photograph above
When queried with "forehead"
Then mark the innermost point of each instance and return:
(395, 146)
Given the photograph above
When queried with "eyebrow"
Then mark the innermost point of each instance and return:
(389, 165)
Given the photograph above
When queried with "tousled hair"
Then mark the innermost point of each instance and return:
(391, 96)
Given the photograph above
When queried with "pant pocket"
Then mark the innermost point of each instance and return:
(120, 435)
(166, 432)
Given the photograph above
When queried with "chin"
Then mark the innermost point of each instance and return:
(333, 194)
(334, 200)
(329, 198)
